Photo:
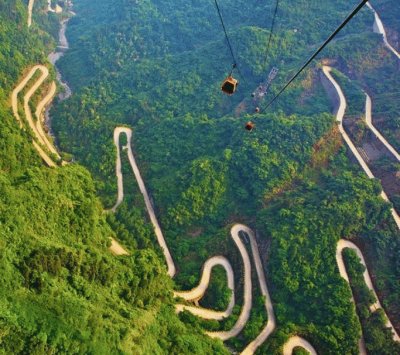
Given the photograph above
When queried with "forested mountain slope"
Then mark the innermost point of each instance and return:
(389, 13)
(156, 66)
(62, 291)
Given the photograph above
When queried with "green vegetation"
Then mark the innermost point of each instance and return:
(202, 169)
(378, 338)
(300, 351)
(355, 98)
(367, 62)
(156, 66)
(218, 294)
(304, 226)
(389, 13)
(62, 291)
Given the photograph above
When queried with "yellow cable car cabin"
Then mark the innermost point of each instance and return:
(229, 85)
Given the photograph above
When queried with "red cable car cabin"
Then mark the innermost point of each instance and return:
(229, 85)
(249, 126)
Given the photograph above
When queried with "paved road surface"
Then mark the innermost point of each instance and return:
(339, 116)
(160, 237)
(247, 299)
(343, 244)
(340, 111)
(28, 115)
(368, 119)
(271, 322)
(379, 28)
(198, 292)
(296, 341)
(39, 121)
(30, 9)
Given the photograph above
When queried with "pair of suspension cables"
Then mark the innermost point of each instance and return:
(319, 50)
(234, 61)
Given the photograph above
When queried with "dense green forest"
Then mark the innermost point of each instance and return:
(156, 66)
(62, 291)
(202, 169)
(304, 226)
(377, 338)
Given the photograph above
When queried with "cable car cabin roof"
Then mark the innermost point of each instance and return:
(229, 85)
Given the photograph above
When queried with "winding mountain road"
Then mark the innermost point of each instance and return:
(368, 120)
(17, 90)
(160, 237)
(343, 244)
(30, 9)
(271, 322)
(28, 114)
(39, 121)
(247, 296)
(379, 28)
(247, 304)
(31, 3)
(340, 112)
(199, 291)
(39, 134)
(37, 128)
